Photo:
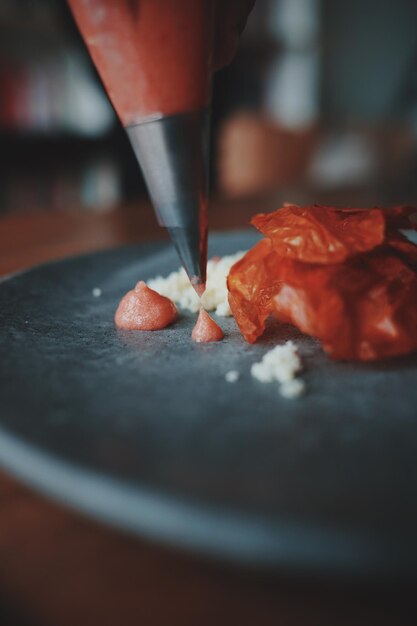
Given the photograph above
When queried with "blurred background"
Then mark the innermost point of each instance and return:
(320, 104)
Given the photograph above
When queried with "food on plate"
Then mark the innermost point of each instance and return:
(281, 364)
(178, 288)
(232, 376)
(252, 285)
(320, 234)
(206, 330)
(143, 308)
(345, 276)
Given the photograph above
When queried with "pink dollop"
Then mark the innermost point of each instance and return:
(143, 308)
(206, 329)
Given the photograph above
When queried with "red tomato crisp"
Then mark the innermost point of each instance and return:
(345, 276)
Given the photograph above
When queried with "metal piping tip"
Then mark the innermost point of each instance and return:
(173, 154)
(191, 245)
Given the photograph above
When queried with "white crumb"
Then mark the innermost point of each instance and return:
(292, 388)
(96, 292)
(177, 287)
(281, 364)
(232, 376)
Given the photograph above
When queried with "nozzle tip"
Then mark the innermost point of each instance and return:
(198, 285)
(191, 245)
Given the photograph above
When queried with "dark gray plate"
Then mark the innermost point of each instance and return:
(141, 429)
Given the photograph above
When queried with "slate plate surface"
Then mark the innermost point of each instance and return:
(142, 431)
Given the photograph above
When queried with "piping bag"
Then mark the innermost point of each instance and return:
(154, 58)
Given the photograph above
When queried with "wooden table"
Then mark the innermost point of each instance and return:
(58, 568)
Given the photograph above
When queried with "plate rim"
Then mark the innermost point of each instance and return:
(197, 527)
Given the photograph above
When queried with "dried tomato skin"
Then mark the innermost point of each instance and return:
(252, 285)
(400, 217)
(362, 307)
(320, 234)
(309, 300)
(403, 247)
(388, 315)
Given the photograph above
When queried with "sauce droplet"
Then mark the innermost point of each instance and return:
(199, 288)
(143, 308)
(206, 329)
